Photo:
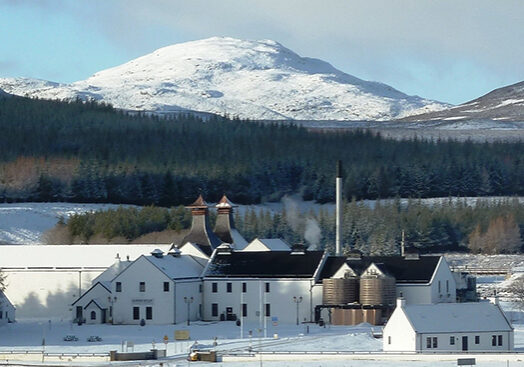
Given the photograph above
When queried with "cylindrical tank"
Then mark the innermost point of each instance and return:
(339, 291)
(377, 290)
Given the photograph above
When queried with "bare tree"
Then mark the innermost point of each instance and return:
(516, 290)
(3, 282)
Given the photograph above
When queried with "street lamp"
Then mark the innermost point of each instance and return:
(297, 300)
(188, 301)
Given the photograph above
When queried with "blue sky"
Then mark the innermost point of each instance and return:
(448, 50)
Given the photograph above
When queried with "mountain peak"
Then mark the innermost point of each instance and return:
(249, 79)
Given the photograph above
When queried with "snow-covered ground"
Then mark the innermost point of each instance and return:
(27, 335)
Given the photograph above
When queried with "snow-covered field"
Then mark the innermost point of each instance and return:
(27, 335)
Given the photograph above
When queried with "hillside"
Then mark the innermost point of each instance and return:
(248, 79)
(503, 105)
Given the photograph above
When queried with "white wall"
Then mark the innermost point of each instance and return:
(168, 307)
(448, 287)
(7, 311)
(398, 335)
(280, 298)
(98, 312)
(98, 293)
(485, 341)
(154, 296)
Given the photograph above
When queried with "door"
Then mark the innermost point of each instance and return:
(79, 313)
(464, 343)
(229, 313)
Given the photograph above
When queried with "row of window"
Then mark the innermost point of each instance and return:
(141, 287)
(214, 309)
(432, 342)
(2, 313)
(229, 287)
(447, 286)
(149, 313)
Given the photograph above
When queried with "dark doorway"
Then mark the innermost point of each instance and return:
(78, 313)
(464, 343)
(229, 314)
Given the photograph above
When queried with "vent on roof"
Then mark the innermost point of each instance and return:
(411, 254)
(175, 252)
(298, 249)
(157, 253)
(224, 249)
(354, 254)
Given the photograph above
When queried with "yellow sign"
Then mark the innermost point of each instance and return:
(181, 334)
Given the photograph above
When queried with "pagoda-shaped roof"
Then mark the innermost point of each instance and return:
(225, 203)
(198, 203)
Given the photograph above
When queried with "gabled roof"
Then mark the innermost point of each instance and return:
(181, 267)
(111, 272)
(271, 244)
(104, 284)
(264, 264)
(95, 303)
(225, 203)
(198, 203)
(456, 317)
(404, 270)
(331, 266)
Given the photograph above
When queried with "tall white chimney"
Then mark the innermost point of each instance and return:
(338, 214)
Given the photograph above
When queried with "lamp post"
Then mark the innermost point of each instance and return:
(297, 300)
(188, 301)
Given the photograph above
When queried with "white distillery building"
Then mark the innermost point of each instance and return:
(281, 286)
(7, 310)
(448, 327)
(44, 280)
(418, 279)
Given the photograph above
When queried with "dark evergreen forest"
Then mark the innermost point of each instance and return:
(445, 225)
(87, 152)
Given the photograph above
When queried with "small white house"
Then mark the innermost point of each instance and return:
(7, 310)
(95, 305)
(448, 327)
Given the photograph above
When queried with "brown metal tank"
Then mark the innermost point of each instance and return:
(377, 290)
(339, 291)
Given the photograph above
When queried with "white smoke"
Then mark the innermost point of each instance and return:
(312, 233)
(293, 216)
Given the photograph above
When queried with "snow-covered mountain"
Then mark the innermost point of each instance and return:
(504, 104)
(248, 79)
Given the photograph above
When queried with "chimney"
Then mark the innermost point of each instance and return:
(157, 253)
(401, 302)
(225, 223)
(338, 219)
(200, 233)
(298, 249)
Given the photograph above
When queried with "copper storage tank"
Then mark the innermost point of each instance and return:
(377, 290)
(339, 291)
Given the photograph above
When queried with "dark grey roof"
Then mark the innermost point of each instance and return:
(404, 270)
(265, 264)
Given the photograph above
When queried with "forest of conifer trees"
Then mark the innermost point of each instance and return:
(86, 152)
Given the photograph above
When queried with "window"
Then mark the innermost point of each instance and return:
(214, 309)
(268, 308)
(118, 287)
(435, 342)
(389, 340)
(500, 340)
(1, 314)
(451, 340)
(166, 286)
(149, 313)
(110, 311)
(142, 287)
(93, 315)
(439, 286)
(229, 287)
(214, 287)
(447, 286)
(244, 287)
(267, 287)
(428, 342)
(432, 342)
(477, 339)
(494, 340)
(200, 288)
(136, 313)
(244, 309)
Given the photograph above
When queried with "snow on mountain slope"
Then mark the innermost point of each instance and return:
(504, 104)
(248, 79)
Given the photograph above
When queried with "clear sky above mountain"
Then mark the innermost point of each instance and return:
(447, 50)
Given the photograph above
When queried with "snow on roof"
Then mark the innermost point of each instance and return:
(271, 244)
(456, 317)
(111, 272)
(183, 266)
(70, 256)
(238, 241)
